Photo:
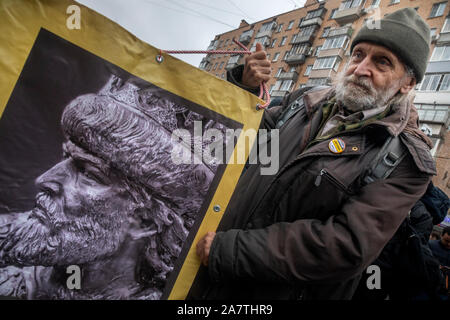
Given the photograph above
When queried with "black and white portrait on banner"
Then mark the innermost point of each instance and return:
(87, 179)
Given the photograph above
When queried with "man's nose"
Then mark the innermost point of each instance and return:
(52, 180)
(363, 68)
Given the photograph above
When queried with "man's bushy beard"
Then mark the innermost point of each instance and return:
(46, 240)
(358, 93)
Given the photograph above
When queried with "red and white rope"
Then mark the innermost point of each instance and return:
(262, 88)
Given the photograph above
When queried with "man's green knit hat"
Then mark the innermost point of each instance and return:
(405, 33)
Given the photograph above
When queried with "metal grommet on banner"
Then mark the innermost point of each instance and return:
(216, 208)
(159, 57)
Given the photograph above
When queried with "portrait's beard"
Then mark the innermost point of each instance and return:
(358, 93)
(46, 239)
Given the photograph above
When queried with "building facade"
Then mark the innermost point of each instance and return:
(310, 45)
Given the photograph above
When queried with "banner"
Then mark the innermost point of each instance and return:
(112, 164)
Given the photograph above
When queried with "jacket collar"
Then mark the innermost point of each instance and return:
(404, 116)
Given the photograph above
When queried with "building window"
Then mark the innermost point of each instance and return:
(307, 31)
(315, 13)
(268, 26)
(317, 81)
(433, 113)
(375, 4)
(263, 40)
(300, 49)
(286, 54)
(286, 85)
(215, 66)
(273, 43)
(350, 4)
(271, 88)
(394, 1)
(335, 42)
(268, 56)
(446, 27)
(277, 85)
(445, 83)
(308, 70)
(226, 42)
(318, 48)
(333, 12)
(221, 65)
(280, 27)
(441, 54)
(326, 63)
(438, 9)
(275, 57)
(435, 82)
(325, 32)
(280, 70)
(291, 24)
(283, 41)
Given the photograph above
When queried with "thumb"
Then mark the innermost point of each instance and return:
(259, 47)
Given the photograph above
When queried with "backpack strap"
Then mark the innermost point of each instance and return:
(388, 158)
(294, 104)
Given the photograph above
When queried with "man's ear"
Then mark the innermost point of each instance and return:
(409, 84)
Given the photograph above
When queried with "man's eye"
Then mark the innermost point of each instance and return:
(90, 175)
(357, 55)
(384, 62)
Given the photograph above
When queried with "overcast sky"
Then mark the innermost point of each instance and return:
(186, 24)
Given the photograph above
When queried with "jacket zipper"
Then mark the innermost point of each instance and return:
(333, 180)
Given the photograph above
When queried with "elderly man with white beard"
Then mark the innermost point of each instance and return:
(116, 206)
(309, 231)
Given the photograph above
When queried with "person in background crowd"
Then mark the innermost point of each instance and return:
(441, 248)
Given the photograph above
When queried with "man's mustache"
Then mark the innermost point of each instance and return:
(359, 81)
(45, 210)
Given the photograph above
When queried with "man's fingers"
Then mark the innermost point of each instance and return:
(259, 47)
(265, 70)
(203, 247)
(260, 55)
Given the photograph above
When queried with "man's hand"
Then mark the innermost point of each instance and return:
(203, 247)
(257, 68)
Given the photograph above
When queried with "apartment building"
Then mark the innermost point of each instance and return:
(310, 45)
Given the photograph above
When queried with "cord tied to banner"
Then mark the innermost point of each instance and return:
(262, 88)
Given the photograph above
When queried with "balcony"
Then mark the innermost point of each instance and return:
(444, 38)
(348, 30)
(205, 62)
(234, 61)
(331, 53)
(213, 45)
(288, 76)
(278, 93)
(266, 30)
(300, 39)
(296, 59)
(246, 37)
(310, 22)
(348, 15)
(265, 42)
(322, 73)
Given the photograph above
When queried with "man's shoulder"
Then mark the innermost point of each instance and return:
(420, 153)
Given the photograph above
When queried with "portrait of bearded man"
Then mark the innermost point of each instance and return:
(115, 205)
